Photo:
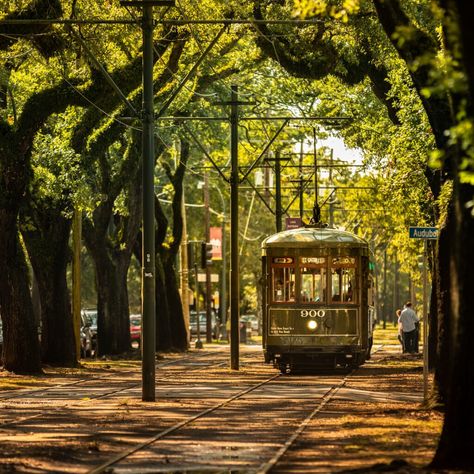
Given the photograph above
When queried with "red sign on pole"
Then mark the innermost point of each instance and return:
(216, 241)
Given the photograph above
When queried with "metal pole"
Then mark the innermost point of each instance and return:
(234, 231)
(315, 158)
(223, 298)
(76, 279)
(185, 267)
(207, 236)
(223, 282)
(425, 322)
(148, 240)
(300, 171)
(278, 210)
(198, 344)
(332, 199)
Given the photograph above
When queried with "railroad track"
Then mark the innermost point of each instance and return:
(94, 384)
(148, 454)
(121, 462)
(205, 418)
(22, 393)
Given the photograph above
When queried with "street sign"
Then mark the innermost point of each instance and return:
(423, 232)
(293, 222)
(216, 241)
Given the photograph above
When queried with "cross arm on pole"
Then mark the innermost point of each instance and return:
(269, 144)
(201, 147)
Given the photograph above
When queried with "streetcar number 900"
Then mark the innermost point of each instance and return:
(312, 313)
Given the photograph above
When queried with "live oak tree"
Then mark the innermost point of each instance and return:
(19, 125)
(441, 74)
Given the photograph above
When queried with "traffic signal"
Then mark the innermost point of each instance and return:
(190, 246)
(206, 254)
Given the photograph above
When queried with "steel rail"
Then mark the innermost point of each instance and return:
(98, 397)
(103, 467)
(25, 392)
(72, 405)
(267, 466)
(328, 396)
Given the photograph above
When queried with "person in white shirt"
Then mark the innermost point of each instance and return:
(408, 321)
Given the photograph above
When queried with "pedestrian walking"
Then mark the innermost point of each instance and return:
(398, 312)
(408, 321)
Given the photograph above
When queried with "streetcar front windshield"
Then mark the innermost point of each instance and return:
(313, 279)
(343, 280)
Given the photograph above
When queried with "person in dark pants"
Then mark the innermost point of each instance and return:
(408, 321)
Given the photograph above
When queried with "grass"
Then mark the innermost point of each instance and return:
(387, 335)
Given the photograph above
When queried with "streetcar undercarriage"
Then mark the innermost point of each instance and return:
(307, 359)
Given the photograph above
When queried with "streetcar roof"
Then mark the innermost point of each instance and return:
(314, 236)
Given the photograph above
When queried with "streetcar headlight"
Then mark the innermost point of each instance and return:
(312, 324)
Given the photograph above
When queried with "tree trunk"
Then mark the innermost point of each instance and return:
(163, 326)
(113, 325)
(179, 337)
(433, 324)
(457, 438)
(48, 249)
(21, 352)
(443, 284)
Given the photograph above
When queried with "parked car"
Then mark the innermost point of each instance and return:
(86, 341)
(135, 329)
(244, 330)
(215, 324)
(252, 323)
(89, 319)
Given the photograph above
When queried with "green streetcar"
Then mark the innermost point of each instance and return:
(318, 299)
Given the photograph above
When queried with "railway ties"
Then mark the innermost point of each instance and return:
(30, 405)
(242, 432)
(206, 418)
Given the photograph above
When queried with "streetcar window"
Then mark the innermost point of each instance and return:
(283, 284)
(371, 292)
(313, 279)
(343, 280)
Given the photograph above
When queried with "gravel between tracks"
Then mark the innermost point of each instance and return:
(375, 418)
